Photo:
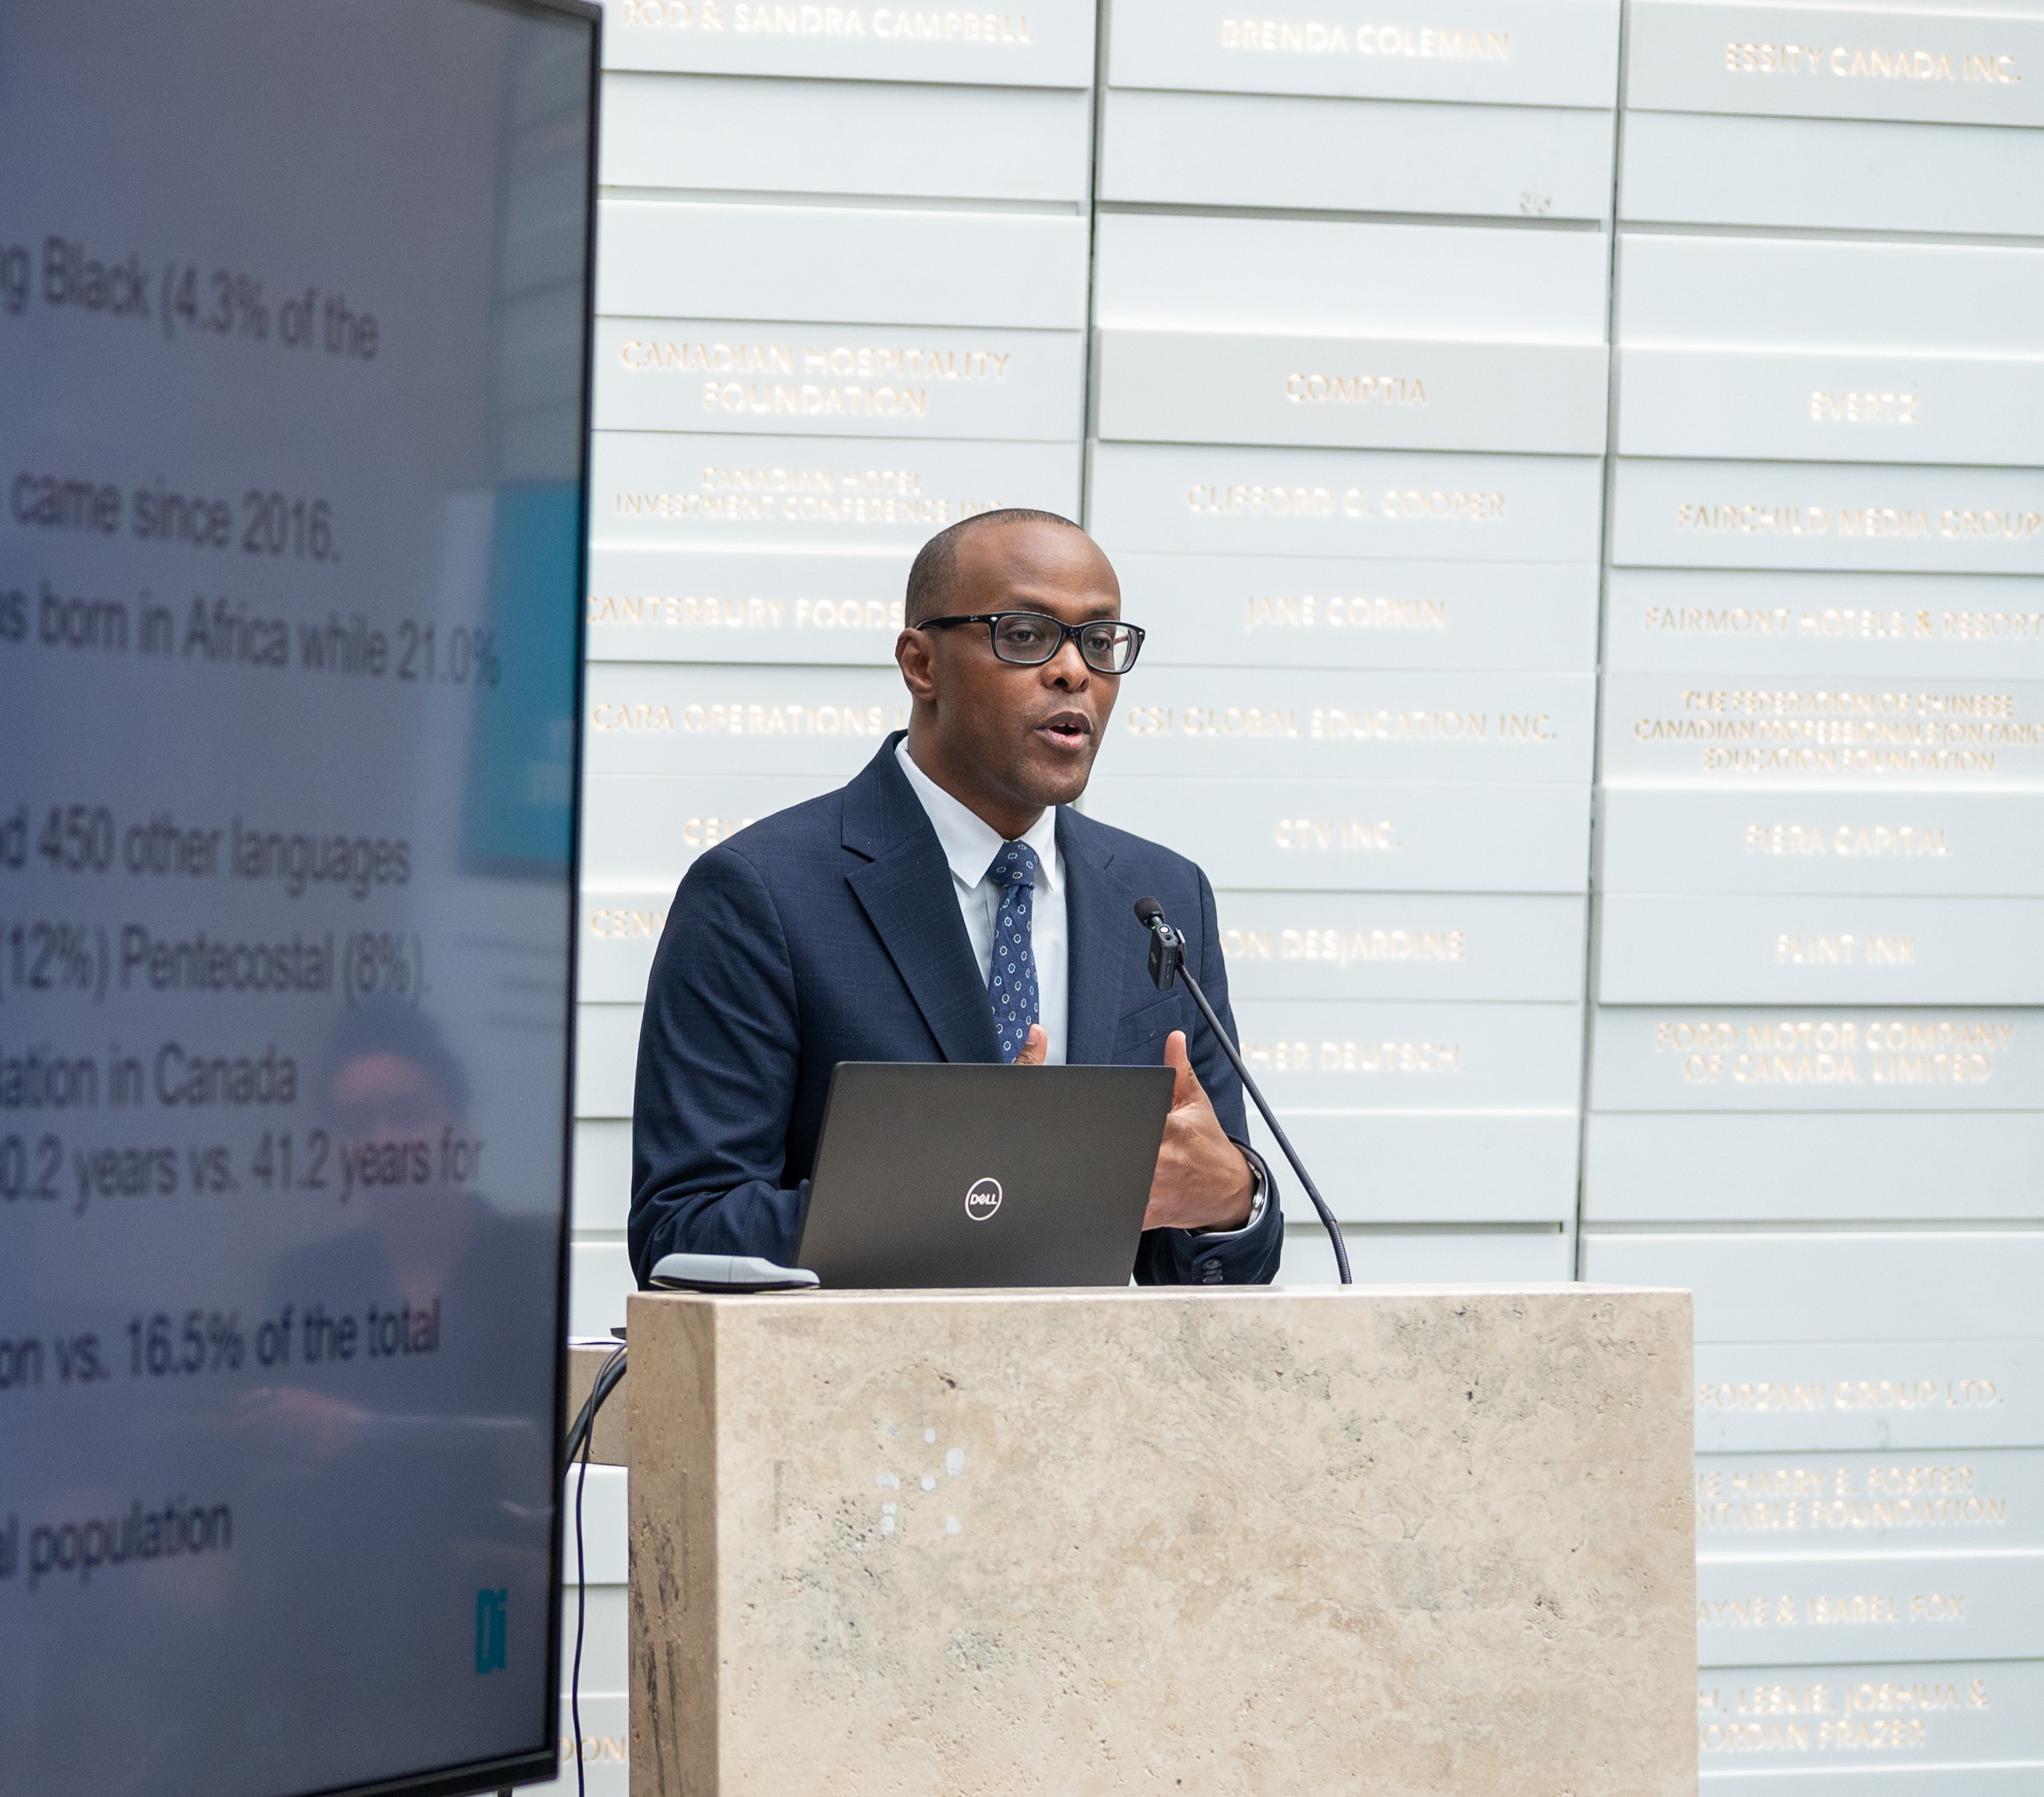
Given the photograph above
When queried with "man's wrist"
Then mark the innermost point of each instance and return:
(1257, 1198)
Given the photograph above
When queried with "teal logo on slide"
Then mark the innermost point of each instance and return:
(492, 1618)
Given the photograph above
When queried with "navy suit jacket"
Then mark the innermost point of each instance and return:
(830, 932)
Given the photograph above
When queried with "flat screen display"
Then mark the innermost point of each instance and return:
(292, 426)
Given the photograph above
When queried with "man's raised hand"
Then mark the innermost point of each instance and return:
(1202, 1181)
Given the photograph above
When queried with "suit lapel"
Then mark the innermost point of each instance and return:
(1098, 915)
(906, 891)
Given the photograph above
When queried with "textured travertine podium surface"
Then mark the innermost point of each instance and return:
(1405, 1540)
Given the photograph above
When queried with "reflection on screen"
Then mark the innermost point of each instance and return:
(292, 345)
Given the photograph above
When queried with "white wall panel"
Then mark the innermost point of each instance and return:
(1703, 514)
(1243, 386)
(1888, 1606)
(606, 1060)
(652, 490)
(741, 134)
(1777, 293)
(870, 265)
(1970, 1729)
(1828, 949)
(1531, 1256)
(1901, 627)
(1564, 53)
(1458, 1167)
(605, 1748)
(1962, 735)
(1691, 168)
(604, 1529)
(1420, 945)
(719, 374)
(652, 718)
(1325, 1055)
(1941, 63)
(1655, 840)
(642, 831)
(1813, 1166)
(1404, 506)
(599, 1281)
(1304, 154)
(706, 604)
(1341, 835)
(606, 1632)
(1834, 406)
(1284, 611)
(1858, 1285)
(602, 1175)
(619, 930)
(1777, 1394)
(1168, 272)
(1861, 1505)
(1295, 724)
(1932, 1057)
(1049, 46)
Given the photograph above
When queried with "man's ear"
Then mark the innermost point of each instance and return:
(918, 665)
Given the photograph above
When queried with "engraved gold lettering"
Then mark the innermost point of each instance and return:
(706, 832)
(1785, 1051)
(742, 719)
(2011, 526)
(1844, 950)
(1349, 835)
(1753, 521)
(803, 496)
(679, 612)
(1354, 389)
(1310, 612)
(1881, 841)
(1341, 947)
(1311, 37)
(1906, 733)
(1354, 1057)
(1411, 505)
(763, 18)
(1862, 408)
(1772, 58)
(626, 923)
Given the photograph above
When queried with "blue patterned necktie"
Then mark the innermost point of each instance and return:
(1011, 980)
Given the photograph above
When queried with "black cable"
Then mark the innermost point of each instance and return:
(1167, 962)
(1277, 1129)
(581, 1437)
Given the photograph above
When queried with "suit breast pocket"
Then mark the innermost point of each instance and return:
(1139, 1036)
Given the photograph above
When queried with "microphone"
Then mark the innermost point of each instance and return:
(1167, 962)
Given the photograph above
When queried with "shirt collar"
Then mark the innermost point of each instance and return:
(969, 842)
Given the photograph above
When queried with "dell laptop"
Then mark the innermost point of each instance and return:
(935, 1174)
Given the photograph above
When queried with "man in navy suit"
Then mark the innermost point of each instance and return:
(946, 906)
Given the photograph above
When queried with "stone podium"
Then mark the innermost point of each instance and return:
(1399, 1540)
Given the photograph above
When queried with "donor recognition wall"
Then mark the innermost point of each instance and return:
(841, 295)
(1348, 464)
(1816, 1078)
(1581, 473)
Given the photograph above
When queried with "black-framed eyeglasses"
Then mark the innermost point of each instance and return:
(1030, 639)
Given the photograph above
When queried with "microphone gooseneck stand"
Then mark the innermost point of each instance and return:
(1167, 962)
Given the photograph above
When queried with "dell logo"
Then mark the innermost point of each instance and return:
(983, 1201)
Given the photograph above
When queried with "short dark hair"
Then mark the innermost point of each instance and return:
(384, 1026)
(936, 561)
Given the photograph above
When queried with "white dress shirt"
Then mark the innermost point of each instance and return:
(970, 844)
